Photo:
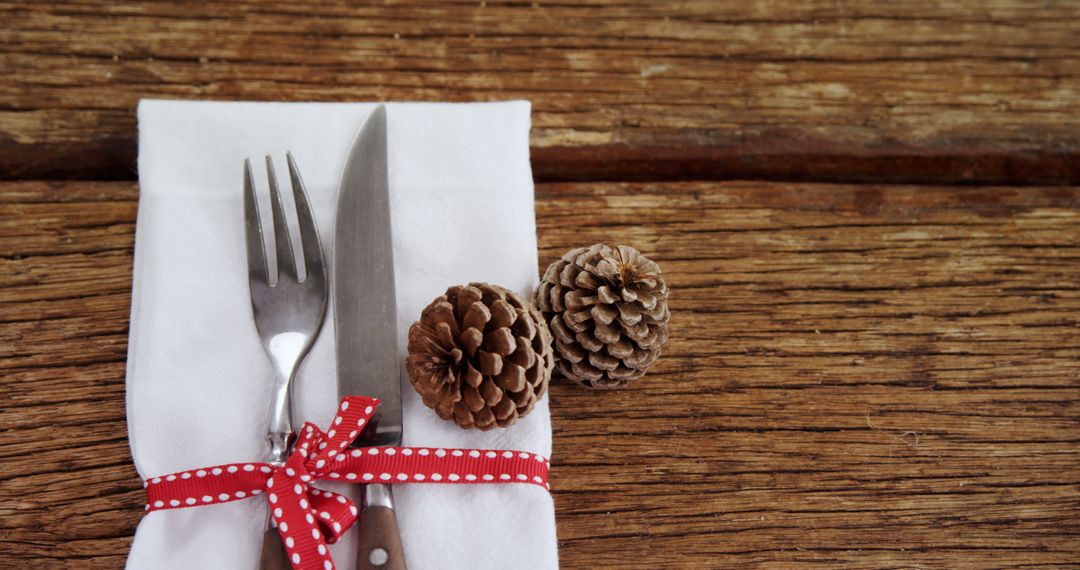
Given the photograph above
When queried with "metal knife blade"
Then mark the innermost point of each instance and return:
(365, 308)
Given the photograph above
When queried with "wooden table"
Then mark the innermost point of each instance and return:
(867, 214)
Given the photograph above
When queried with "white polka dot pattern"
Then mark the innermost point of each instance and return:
(308, 518)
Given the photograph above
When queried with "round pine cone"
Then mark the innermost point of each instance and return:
(480, 355)
(608, 311)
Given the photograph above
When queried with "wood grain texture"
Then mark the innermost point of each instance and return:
(858, 377)
(914, 91)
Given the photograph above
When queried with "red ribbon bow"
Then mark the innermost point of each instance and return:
(309, 518)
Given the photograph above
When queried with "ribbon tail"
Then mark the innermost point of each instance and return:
(304, 541)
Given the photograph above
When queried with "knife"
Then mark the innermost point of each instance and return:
(365, 325)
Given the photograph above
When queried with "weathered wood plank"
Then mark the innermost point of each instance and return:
(781, 90)
(858, 377)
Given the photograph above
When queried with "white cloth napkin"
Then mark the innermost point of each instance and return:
(197, 377)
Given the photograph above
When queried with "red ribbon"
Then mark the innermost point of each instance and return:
(309, 518)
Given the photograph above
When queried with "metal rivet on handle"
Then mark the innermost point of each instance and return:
(378, 557)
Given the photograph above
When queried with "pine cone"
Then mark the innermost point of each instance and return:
(608, 311)
(480, 355)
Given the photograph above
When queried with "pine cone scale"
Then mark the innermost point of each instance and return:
(512, 378)
(471, 340)
(603, 313)
(500, 341)
(503, 409)
(524, 328)
(628, 314)
(561, 331)
(502, 314)
(524, 355)
(472, 376)
(570, 351)
(490, 364)
(589, 341)
(491, 393)
(606, 296)
(620, 349)
(606, 334)
(476, 316)
(472, 398)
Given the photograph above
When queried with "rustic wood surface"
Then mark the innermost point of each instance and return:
(821, 90)
(859, 376)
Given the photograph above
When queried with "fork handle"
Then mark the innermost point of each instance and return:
(273, 555)
(378, 535)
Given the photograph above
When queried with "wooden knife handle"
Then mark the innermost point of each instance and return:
(273, 555)
(380, 541)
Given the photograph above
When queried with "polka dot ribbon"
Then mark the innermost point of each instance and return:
(309, 518)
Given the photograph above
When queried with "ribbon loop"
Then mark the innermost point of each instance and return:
(309, 518)
(335, 513)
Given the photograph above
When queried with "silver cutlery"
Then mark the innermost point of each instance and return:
(365, 325)
(288, 313)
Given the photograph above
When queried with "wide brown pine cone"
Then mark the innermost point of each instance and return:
(608, 311)
(480, 355)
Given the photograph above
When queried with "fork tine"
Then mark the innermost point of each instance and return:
(253, 234)
(309, 234)
(286, 265)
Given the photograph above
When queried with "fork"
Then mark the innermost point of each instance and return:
(288, 313)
